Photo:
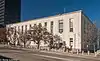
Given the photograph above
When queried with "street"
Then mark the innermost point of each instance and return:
(24, 55)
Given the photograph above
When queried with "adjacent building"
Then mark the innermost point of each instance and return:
(9, 12)
(75, 28)
(98, 38)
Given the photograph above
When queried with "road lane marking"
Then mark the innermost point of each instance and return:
(56, 57)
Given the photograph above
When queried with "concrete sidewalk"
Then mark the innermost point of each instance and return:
(80, 55)
(85, 55)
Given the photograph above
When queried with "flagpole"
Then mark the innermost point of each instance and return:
(64, 10)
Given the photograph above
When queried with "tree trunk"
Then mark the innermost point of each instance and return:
(24, 44)
(38, 45)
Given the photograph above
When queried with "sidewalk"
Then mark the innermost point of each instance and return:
(85, 55)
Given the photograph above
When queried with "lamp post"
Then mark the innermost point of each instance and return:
(94, 49)
(88, 49)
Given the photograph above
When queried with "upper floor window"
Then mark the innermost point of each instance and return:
(30, 25)
(85, 26)
(19, 28)
(71, 25)
(51, 26)
(60, 26)
(40, 25)
(25, 27)
(45, 24)
(34, 24)
(15, 29)
(22, 30)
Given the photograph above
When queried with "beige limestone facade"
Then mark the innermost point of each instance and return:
(74, 28)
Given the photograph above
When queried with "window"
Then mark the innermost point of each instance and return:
(34, 24)
(71, 29)
(18, 28)
(30, 25)
(22, 29)
(51, 26)
(84, 26)
(25, 27)
(71, 25)
(15, 29)
(45, 24)
(40, 25)
(71, 42)
(71, 39)
(60, 26)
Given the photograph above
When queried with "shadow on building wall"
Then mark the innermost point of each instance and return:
(3, 35)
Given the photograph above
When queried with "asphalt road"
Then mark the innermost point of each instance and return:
(24, 55)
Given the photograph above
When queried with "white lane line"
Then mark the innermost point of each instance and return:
(56, 57)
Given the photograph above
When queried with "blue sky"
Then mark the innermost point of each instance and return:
(41, 8)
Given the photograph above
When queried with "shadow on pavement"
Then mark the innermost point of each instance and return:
(3, 58)
(9, 48)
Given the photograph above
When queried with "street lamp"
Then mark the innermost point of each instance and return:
(88, 49)
(94, 47)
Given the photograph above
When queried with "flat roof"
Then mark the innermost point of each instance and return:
(48, 17)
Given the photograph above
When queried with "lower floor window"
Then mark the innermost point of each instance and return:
(60, 30)
(71, 29)
(71, 42)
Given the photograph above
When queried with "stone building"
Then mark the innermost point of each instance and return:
(75, 28)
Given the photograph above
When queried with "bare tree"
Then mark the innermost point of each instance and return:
(37, 33)
(10, 35)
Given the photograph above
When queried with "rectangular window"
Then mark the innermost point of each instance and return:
(34, 24)
(15, 29)
(71, 42)
(60, 26)
(71, 29)
(51, 26)
(71, 25)
(30, 26)
(40, 25)
(45, 24)
(22, 29)
(18, 29)
(25, 28)
(71, 39)
(85, 26)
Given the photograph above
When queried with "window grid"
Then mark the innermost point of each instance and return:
(71, 24)
(60, 26)
(71, 42)
(45, 24)
(51, 26)
(22, 29)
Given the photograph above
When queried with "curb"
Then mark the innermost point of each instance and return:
(73, 55)
(60, 53)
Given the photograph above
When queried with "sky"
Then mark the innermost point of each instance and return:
(31, 9)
